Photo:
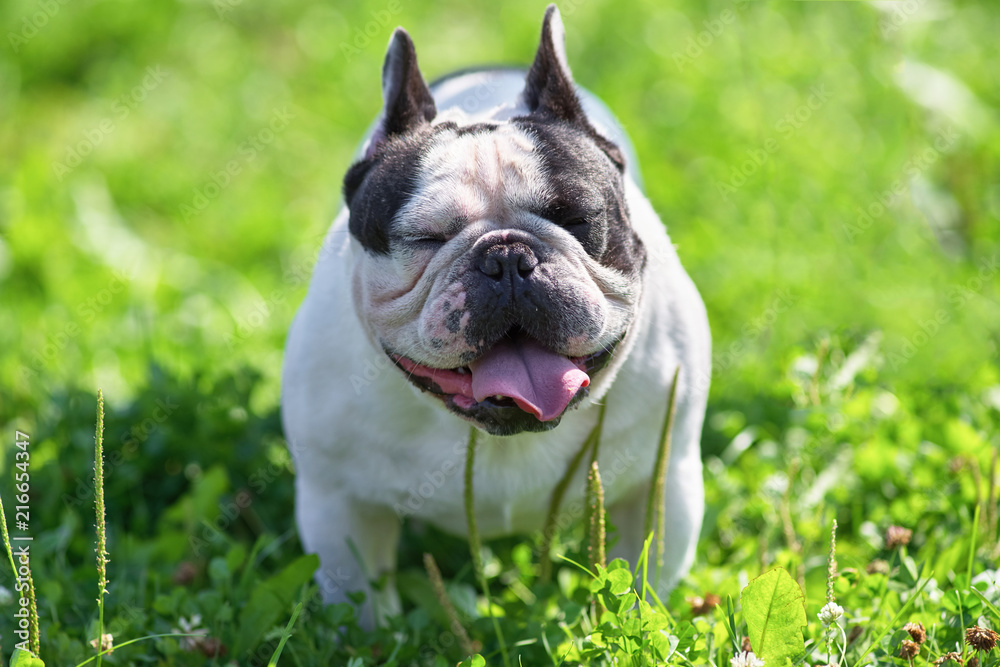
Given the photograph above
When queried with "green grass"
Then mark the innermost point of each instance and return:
(855, 330)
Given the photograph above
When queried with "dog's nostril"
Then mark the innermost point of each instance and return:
(491, 266)
(507, 261)
(526, 264)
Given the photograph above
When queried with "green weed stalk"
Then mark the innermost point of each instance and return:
(437, 583)
(474, 542)
(831, 575)
(287, 632)
(102, 553)
(549, 529)
(991, 503)
(34, 643)
(596, 529)
(655, 516)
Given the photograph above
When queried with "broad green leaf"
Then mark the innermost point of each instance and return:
(652, 620)
(474, 661)
(774, 610)
(663, 644)
(271, 600)
(618, 564)
(686, 636)
(620, 580)
(22, 658)
(601, 578)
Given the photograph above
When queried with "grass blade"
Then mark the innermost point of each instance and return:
(972, 546)
(287, 632)
(654, 504)
(474, 543)
(548, 530)
(135, 641)
(596, 529)
(892, 623)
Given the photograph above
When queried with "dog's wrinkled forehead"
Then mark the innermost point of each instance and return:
(479, 172)
(485, 171)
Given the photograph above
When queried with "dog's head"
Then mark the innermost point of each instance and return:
(497, 266)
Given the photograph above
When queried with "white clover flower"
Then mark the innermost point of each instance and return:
(830, 613)
(106, 643)
(190, 628)
(746, 659)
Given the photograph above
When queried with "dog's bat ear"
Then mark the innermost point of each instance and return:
(407, 99)
(549, 86)
(549, 89)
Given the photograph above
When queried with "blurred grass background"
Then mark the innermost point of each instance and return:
(118, 117)
(168, 169)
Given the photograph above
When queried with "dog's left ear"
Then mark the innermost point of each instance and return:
(408, 103)
(549, 89)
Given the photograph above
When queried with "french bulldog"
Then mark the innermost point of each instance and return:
(495, 266)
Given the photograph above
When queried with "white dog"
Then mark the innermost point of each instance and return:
(496, 265)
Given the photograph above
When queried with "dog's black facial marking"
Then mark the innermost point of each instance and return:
(500, 419)
(589, 194)
(454, 321)
(476, 128)
(513, 284)
(376, 187)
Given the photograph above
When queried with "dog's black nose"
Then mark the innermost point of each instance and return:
(507, 262)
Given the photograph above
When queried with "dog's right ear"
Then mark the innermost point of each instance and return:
(408, 103)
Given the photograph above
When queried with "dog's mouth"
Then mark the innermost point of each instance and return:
(517, 385)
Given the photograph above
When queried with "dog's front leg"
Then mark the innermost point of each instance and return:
(330, 522)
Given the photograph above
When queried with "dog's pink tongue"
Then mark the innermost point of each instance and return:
(540, 381)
